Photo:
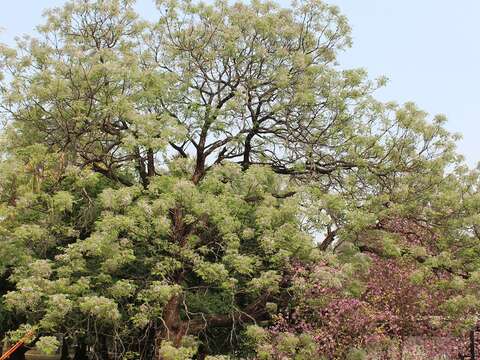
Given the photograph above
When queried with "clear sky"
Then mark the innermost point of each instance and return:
(429, 49)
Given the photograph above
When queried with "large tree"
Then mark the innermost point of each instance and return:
(162, 182)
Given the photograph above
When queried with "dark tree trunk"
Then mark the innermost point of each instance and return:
(81, 351)
(247, 150)
(199, 169)
(103, 348)
(141, 168)
(150, 163)
(64, 354)
(173, 328)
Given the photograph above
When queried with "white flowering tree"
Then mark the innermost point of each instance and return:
(161, 181)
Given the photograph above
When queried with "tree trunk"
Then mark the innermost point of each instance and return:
(173, 328)
(141, 168)
(199, 170)
(64, 354)
(81, 351)
(103, 348)
(150, 163)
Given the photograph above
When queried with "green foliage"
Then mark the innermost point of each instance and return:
(163, 181)
(357, 354)
(48, 344)
(187, 349)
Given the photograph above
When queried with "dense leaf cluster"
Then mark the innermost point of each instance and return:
(212, 185)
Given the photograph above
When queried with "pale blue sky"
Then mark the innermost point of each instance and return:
(429, 49)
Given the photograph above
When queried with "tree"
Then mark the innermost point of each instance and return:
(162, 181)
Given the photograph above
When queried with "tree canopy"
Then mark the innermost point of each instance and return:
(213, 184)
